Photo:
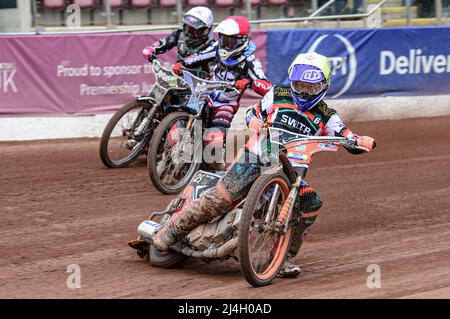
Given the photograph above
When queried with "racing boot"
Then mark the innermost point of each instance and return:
(289, 269)
(166, 237)
(310, 204)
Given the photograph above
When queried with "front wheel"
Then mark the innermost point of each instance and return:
(171, 155)
(120, 143)
(262, 250)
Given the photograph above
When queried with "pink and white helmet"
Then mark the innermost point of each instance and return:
(197, 24)
(234, 36)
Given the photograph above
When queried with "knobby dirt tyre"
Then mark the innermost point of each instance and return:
(251, 275)
(152, 156)
(103, 150)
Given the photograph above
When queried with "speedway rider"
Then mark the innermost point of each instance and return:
(192, 37)
(301, 103)
(233, 59)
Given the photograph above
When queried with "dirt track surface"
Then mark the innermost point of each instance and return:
(60, 206)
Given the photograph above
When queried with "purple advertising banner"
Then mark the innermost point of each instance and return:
(79, 74)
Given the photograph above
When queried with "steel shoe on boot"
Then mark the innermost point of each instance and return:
(289, 269)
(140, 245)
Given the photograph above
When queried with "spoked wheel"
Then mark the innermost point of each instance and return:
(120, 143)
(170, 158)
(262, 250)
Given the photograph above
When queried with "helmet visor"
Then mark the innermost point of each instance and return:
(195, 33)
(301, 87)
(230, 42)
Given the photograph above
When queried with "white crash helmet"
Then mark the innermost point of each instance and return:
(197, 24)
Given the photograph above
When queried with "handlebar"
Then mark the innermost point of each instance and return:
(212, 85)
(194, 71)
(304, 139)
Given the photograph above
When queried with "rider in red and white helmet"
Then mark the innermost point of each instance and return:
(233, 59)
(234, 39)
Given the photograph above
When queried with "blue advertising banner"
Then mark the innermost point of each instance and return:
(369, 62)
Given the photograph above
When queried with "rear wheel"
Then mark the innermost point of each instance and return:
(169, 259)
(170, 159)
(262, 250)
(119, 144)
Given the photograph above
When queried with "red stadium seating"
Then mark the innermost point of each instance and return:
(253, 2)
(115, 4)
(140, 4)
(225, 3)
(274, 3)
(167, 3)
(54, 4)
(194, 3)
(85, 4)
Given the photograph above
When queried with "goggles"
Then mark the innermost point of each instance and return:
(231, 42)
(195, 33)
(307, 88)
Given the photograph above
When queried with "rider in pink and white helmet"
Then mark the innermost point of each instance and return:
(193, 36)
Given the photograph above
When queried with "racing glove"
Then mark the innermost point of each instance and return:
(176, 68)
(261, 86)
(149, 53)
(366, 142)
(242, 84)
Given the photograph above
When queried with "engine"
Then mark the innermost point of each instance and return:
(216, 232)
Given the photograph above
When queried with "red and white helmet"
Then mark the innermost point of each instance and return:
(234, 36)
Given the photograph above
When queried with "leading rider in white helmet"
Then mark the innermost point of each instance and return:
(298, 108)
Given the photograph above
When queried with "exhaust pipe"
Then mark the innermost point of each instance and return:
(147, 229)
(219, 252)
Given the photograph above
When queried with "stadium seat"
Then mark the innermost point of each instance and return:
(57, 6)
(140, 4)
(224, 3)
(116, 4)
(277, 2)
(167, 3)
(54, 4)
(88, 5)
(195, 3)
(85, 4)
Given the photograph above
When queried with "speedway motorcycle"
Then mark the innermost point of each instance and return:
(257, 231)
(128, 132)
(175, 151)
